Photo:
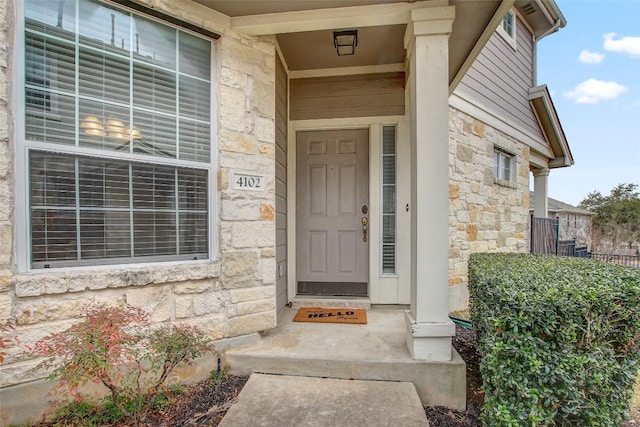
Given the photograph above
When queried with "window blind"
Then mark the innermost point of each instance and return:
(388, 199)
(98, 77)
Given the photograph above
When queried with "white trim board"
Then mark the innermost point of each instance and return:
(326, 19)
(347, 71)
(383, 289)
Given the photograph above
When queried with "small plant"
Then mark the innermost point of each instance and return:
(218, 376)
(117, 347)
(85, 414)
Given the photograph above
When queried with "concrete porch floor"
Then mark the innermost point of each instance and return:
(375, 351)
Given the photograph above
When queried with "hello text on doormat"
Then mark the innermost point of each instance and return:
(331, 315)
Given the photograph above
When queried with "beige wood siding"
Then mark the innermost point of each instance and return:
(500, 78)
(281, 184)
(362, 95)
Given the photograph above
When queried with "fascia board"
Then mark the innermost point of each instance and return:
(542, 104)
(323, 19)
(552, 12)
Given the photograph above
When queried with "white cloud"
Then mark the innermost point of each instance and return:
(593, 91)
(591, 57)
(628, 45)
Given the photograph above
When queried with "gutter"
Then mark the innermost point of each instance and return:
(557, 24)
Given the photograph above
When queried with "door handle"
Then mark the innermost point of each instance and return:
(364, 222)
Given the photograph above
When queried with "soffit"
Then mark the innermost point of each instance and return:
(472, 19)
(261, 7)
(314, 50)
(378, 44)
(541, 15)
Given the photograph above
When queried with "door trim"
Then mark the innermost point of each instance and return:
(395, 288)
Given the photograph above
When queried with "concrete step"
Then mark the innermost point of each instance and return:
(282, 401)
(328, 302)
(375, 351)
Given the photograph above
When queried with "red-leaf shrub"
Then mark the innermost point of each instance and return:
(117, 347)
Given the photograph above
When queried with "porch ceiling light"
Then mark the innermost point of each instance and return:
(345, 42)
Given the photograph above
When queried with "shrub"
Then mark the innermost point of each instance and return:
(559, 338)
(117, 347)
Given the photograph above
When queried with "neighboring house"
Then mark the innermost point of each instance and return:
(575, 223)
(213, 160)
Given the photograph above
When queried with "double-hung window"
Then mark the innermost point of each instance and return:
(503, 166)
(117, 136)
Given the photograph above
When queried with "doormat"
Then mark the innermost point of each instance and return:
(332, 315)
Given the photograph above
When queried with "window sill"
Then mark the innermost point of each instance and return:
(78, 279)
(504, 183)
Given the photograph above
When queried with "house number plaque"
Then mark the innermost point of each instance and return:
(247, 182)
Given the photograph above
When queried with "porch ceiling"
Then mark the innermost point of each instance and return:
(314, 49)
(380, 42)
(261, 7)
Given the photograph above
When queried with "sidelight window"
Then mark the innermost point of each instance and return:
(389, 199)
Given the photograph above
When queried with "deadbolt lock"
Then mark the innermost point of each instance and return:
(365, 209)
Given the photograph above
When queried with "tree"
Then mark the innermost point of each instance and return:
(617, 218)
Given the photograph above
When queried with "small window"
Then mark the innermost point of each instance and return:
(507, 28)
(503, 166)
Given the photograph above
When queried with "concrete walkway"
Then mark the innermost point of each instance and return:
(376, 351)
(289, 401)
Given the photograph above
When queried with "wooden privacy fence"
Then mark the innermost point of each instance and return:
(544, 235)
(545, 239)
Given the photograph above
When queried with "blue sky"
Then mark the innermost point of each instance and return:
(592, 69)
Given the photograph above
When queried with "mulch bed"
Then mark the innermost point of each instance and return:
(439, 416)
(201, 404)
(205, 403)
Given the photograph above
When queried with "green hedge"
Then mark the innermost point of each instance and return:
(559, 338)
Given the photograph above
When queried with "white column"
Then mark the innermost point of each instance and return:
(540, 193)
(427, 42)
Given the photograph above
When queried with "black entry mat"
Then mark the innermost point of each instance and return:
(338, 289)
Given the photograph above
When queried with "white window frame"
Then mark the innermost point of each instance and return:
(22, 214)
(510, 38)
(500, 156)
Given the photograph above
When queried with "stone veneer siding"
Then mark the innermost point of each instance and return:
(231, 296)
(575, 226)
(484, 216)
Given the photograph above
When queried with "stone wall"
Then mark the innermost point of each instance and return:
(484, 215)
(6, 155)
(575, 226)
(230, 296)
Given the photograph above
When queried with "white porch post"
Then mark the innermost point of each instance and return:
(540, 193)
(427, 43)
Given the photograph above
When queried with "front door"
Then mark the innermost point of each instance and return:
(332, 193)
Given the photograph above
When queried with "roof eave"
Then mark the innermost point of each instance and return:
(553, 20)
(479, 43)
(549, 122)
